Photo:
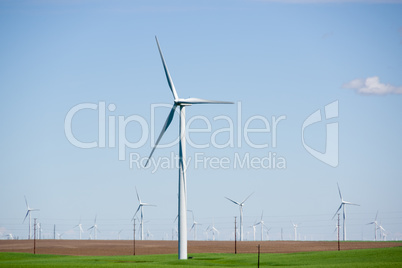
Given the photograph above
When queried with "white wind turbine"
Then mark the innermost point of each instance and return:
(140, 208)
(194, 226)
(213, 230)
(181, 103)
(94, 228)
(342, 206)
(261, 222)
(383, 233)
(295, 225)
(79, 228)
(376, 226)
(254, 226)
(29, 210)
(240, 204)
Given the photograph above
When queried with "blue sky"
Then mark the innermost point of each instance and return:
(272, 58)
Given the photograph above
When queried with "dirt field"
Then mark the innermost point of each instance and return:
(125, 247)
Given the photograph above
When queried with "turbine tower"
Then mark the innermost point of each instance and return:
(376, 226)
(240, 204)
(140, 207)
(182, 199)
(342, 206)
(29, 210)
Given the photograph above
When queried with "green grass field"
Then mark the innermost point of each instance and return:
(384, 257)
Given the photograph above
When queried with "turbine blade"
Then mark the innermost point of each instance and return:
(165, 127)
(337, 210)
(348, 203)
(202, 101)
(339, 190)
(376, 216)
(246, 198)
(26, 215)
(237, 203)
(169, 79)
(26, 202)
(138, 197)
(149, 205)
(139, 207)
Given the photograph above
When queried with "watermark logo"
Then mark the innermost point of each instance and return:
(257, 134)
(330, 156)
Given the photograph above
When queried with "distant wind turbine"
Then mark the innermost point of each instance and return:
(261, 222)
(60, 235)
(383, 233)
(181, 103)
(295, 225)
(254, 226)
(29, 210)
(194, 226)
(342, 206)
(140, 208)
(213, 230)
(79, 225)
(94, 228)
(376, 226)
(240, 204)
(9, 236)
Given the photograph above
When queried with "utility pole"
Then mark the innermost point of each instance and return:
(34, 235)
(235, 237)
(134, 239)
(339, 245)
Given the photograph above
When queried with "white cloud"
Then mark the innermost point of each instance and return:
(372, 86)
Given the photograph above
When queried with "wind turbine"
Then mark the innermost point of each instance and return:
(342, 206)
(29, 210)
(254, 226)
(60, 235)
(261, 222)
(79, 228)
(140, 207)
(194, 226)
(9, 236)
(383, 233)
(182, 202)
(213, 230)
(376, 226)
(94, 228)
(295, 225)
(240, 204)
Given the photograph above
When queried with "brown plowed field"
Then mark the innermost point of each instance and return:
(125, 247)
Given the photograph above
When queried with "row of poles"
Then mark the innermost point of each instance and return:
(235, 240)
